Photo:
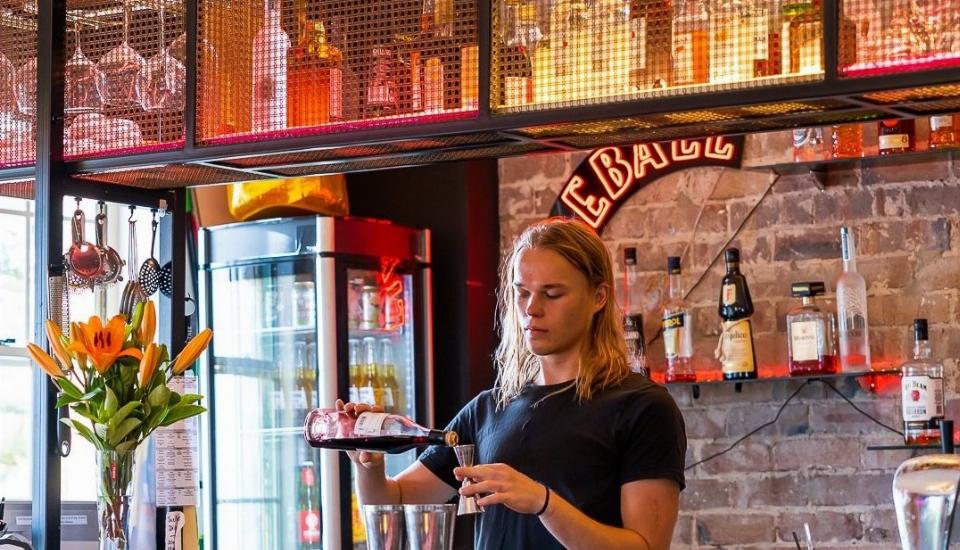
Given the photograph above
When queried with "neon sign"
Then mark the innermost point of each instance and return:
(609, 176)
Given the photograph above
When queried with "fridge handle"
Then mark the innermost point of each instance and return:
(427, 336)
(327, 390)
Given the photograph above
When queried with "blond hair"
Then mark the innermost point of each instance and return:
(603, 357)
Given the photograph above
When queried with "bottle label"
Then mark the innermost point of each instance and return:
(894, 141)
(729, 295)
(388, 401)
(737, 350)
(354, 394)
(922, 398)
(369, 424)
(759, 26)
(941, 122)
(672, 327)
(368, 395)
(309, 527)
(803, 340)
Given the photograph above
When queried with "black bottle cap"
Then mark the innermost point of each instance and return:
(920, 330)
(732, 255)
(806, 290)
(673, 265)
(630, 255)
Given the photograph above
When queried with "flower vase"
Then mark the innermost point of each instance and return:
(115, 469)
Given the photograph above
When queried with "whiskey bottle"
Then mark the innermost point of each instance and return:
(896, 136)
(921, 391)
(737, 355)
(677, 327)
(846, 141)
(691, 43)
(943, 131)
(315, 79)
(811, 345)
(370, 431)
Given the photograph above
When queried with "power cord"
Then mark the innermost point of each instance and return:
(780, 411)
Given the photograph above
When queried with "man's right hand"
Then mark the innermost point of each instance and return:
(365, 459)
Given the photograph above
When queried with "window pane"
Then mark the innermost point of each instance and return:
(16, 452)
(14, 268)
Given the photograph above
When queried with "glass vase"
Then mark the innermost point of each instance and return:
(114, 489)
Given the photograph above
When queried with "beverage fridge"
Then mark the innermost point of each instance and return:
(305, 310)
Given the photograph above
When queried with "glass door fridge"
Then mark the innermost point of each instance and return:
(305, 311)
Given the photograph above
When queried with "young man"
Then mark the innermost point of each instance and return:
(573, 450)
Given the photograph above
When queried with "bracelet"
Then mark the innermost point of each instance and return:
(546, 501)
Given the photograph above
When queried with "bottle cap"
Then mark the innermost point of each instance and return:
(807, 290)
(920, 330)
(732, 255)
(630, 255)
(673, 265)
(451, 439)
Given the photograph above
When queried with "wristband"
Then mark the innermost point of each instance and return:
(546, 501)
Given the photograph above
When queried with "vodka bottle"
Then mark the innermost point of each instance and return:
(270, 72)
(852, 310)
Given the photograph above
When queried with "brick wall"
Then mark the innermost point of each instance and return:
(812, 464)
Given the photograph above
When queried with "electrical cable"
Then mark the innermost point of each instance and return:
(858, 409)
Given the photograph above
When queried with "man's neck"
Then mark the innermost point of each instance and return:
(558, 369)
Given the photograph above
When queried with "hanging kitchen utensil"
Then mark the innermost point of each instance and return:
(166, 280)
(150, 270)
(112, 264)
(133, 293)
(83, 259)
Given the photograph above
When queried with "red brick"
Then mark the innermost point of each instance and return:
(880, 237)
(741, 183)
(887, 461)
(775, 490)
(744, 419)
(850, 489)
(891, 272)
(629, 222)
(705, 423)
(714, 219)
(664, 190)
(719, 394)
(933, 200)
(889, 202)
(816, 454)
(747, 456)
(837, 416)
(821, 243)
(843, 204)
(664, 222)
(797, 209)
(704, 494)
(902, 309)
(791, 183)
(906, 172)
(724, 529)
(880, 526)
(825, 526)
(939, 273)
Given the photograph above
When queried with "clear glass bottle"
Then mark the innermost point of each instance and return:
(677, 326)
(371, 392)
(270, 48)
(738, 355)
(315, 75)
(517, 55)
(811, 334)
(853, 328)
(921, 391)
(631, 304)
(355, 370)
(370, 431)
(381, 98)
(636, 344)
(390, 389)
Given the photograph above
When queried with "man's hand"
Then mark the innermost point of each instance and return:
(503, 485)
(364, 459)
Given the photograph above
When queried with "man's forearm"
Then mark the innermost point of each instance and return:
(374, 487)
(576, 531)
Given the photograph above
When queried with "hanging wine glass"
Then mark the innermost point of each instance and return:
(25, 87)
(84, 83)
(121, 70)
(163, 77)
(8, 96)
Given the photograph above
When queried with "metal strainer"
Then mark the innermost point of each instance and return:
(150, 270)
(132, 292)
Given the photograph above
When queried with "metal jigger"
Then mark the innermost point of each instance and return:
(465, 456)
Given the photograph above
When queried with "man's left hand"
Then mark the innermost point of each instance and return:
(502, 485)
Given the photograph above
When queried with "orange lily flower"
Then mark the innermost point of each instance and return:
(192, 350)
(103, 344)
(148, 325)
(148, 364)
(46, 362)
(56, 343)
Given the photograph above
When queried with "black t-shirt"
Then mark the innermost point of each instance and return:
(583, 451)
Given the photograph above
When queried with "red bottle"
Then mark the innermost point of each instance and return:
(896, 136)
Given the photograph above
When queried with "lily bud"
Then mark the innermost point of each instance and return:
(192, 350)
(55, 337)
(148, 364)
(148, 325)
(46, 362)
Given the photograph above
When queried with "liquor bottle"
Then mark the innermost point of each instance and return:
(270, 72)
(388, 391)
(738, 357)
(571, 52)
(943, 131)
(610, 45)
(896, 136)
(316, 76)
(731, 44)
(691, 43)
(921, 391)
(766, 20)
(853, 328)
(802, 37)
(846, 141)
(811, 345)
(677, 326)
(651, 27)
(354, 373)
(369, 431)
(433, 85)
(301, 391)
(308, 506)
(516, 62)
(636, 344)
(371, 392)
(437, 18)
(807, 144)
(381, 98)
(631, 304)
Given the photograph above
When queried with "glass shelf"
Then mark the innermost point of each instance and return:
(738, 384)
(821, 166)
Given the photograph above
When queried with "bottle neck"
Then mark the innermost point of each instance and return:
(271, 14)
(733, 267)
(849, 250)
(676, 286)
(921, 349)
(806, 300)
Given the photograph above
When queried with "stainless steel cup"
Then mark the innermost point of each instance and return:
(430, 526)
(385, 530)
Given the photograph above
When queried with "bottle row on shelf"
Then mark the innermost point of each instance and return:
(373, 374)
(892, 136)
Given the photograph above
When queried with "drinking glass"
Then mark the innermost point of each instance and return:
(8, 96)
(121, 70)
(25, 86)
(163, 77)
(84, 83)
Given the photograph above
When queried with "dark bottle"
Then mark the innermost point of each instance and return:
(896, 136)
(370, 431)
(636, 346)
(738, 357)
(308, 531)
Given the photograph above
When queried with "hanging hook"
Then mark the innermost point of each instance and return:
(132, 209)
(78, 201)
(101, 207)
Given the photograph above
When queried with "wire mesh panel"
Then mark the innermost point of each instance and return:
(890, 36)
(124, 78)
(18, 83)
(274, 68)
(556, 53)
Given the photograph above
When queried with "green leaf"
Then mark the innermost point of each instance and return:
(122, 414)
(180, 412)
(92, 393)
(117, 435)
(159, 396)
(83, 431)
(189, 398)
(100, 430)
(65, 400)
(135, 320)
(174, 399)
(83, 409)
(68, 387)
(109, 406)
(127, 446)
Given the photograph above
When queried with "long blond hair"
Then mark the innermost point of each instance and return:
(603, 358)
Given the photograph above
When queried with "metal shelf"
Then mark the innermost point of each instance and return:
(738, 384)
